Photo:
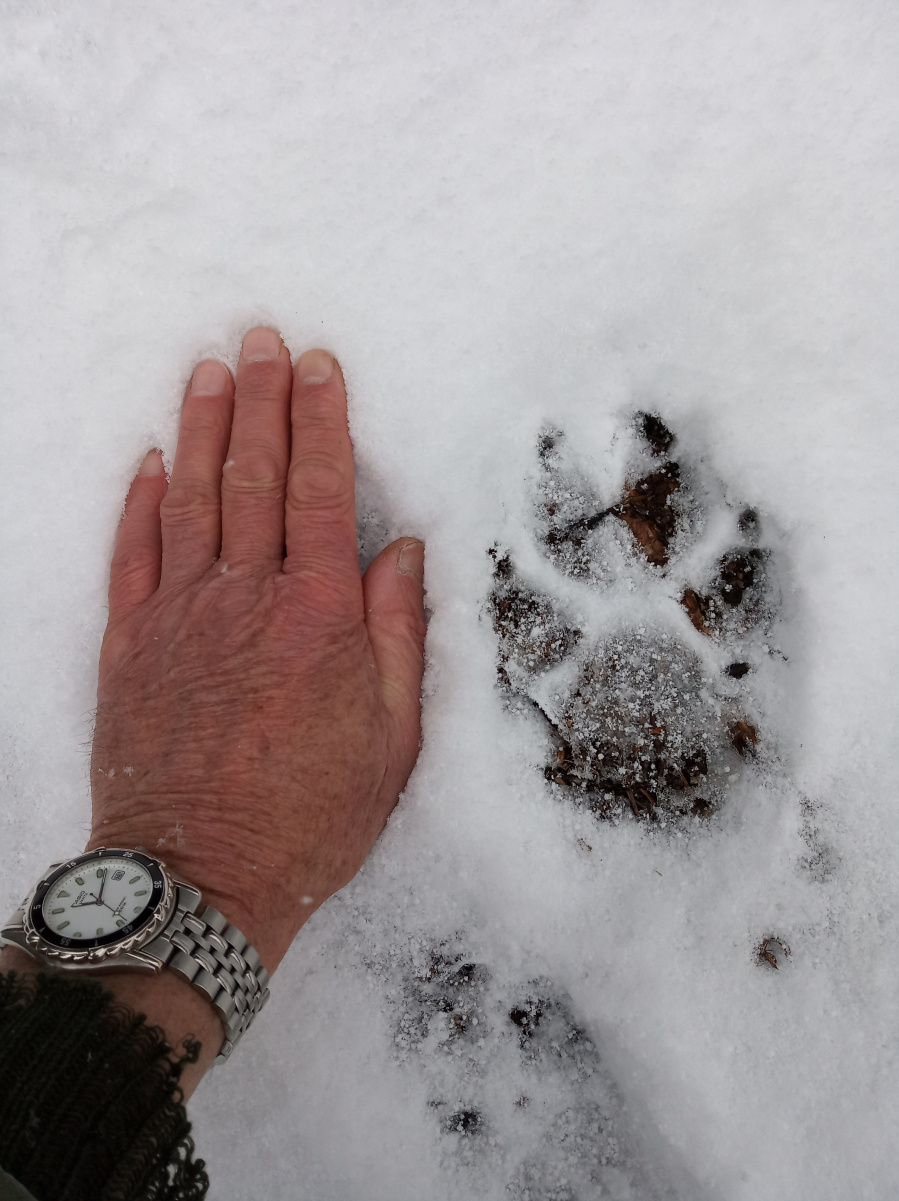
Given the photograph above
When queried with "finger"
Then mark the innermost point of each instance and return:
(134, 571)
(255, 470)
(320, 510)
(394, 616)
(192, 510)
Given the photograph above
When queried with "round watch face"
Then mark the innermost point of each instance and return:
(97, 899)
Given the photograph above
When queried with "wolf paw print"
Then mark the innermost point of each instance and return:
(519, 1092)
(651, 707)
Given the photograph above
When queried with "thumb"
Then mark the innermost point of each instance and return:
(394, 615)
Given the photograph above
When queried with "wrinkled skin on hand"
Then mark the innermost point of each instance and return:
(258, 702)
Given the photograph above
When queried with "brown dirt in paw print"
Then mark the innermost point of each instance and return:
(735, 597)
(645, 510)
(638, 732)
(531, 633)
(572, 511)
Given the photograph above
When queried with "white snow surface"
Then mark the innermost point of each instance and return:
(502, 217)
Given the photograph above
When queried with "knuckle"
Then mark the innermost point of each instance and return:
(319, 482)
(202, 421)
(406, 625)
(320, 413)
(130, 569)
(188, 504)
(412, 628)
(263, 381)
(133, 561)
(253, 470)
(323, 592)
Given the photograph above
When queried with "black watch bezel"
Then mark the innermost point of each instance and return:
(159, 895)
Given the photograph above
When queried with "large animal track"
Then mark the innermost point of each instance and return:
(640, 639)
(652, 712)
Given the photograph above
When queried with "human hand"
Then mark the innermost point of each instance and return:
(259, 703)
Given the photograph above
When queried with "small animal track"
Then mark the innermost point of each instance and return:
(653, 710)
(516, 1081)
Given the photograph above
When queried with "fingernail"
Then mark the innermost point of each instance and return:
(314, 367)
(410, 560)
(208, 379)
(261, 343)
(152, 464)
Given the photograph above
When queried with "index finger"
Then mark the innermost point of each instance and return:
(320, 505)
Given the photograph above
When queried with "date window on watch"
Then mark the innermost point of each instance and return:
(118, 875)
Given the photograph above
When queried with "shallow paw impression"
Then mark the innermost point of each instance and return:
(652, 712)
(518, 1088)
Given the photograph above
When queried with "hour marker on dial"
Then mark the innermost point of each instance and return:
(61, 909)
(62, 893)
(62, 925)
(141, 892)
(78, 934)
(119, 922)
(101, 872)
(79, 880)
(134, 879)
(100, 930)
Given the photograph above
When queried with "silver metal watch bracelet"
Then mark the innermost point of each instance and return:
(216, 958)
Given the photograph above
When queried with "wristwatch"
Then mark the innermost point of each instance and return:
(122, 908)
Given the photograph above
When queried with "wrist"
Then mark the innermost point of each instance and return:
(164, 999)
(223, 882)
(187, 965)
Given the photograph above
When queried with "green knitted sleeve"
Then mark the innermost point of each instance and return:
(90, 1107)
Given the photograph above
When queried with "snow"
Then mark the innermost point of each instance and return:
(503, 218)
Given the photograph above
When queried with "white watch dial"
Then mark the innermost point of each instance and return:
(98, 898)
